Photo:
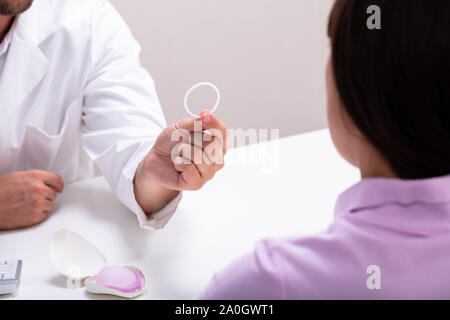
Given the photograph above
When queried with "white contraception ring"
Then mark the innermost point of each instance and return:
(198, 85)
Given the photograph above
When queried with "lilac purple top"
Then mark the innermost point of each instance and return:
(390, 239)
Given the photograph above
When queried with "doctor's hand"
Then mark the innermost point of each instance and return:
(26, 198)
(185, 156)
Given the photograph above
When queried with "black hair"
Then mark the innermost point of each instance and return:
(394, 82)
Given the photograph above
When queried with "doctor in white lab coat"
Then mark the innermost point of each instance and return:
(74, 100)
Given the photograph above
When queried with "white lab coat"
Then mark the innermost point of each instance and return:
(73, 93)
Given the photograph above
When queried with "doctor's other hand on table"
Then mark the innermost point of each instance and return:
(77, 103)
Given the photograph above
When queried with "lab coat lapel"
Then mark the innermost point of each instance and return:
(26, 65)
(24, 69)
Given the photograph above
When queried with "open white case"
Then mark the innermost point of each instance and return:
(79, 260)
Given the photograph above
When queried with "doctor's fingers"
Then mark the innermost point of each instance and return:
(216, 127)
(40, 206)
(189, 177)
(55, 181)
(215, 150)
(39, 190)
(189, 125)
(208, 122)
(208, 171)
(206, 138)
(210, 153)
(51, 179)
(50, 193)
(41, 212)
(202, 163)
(210, 144)
(208, 160)
(191, 131)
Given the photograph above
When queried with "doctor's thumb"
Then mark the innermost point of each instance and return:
(211, 122)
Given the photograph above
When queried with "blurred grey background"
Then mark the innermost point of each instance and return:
(267, 57)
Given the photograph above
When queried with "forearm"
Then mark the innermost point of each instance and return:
(150, 195)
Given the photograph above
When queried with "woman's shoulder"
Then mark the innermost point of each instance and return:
(328, 265)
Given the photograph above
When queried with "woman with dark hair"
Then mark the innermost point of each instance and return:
(389, 115)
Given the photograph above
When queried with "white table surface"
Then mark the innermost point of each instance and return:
(211, 227)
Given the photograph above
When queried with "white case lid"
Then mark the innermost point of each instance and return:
(74, 256)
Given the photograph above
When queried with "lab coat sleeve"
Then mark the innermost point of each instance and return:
(122, 116)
